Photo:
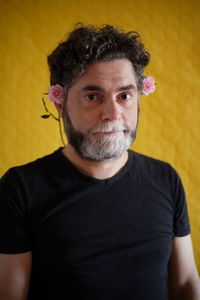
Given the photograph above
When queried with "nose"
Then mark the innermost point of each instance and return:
(111, 111)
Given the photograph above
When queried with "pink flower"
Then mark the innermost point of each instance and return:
(56, 93)
(148, 85)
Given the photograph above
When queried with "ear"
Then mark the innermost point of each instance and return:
(59, 108)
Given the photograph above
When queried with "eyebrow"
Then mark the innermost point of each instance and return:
(127, 87)
(99, 89)
(91, 88)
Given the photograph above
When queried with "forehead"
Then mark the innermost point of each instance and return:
(108, 73)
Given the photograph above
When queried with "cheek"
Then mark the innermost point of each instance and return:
(81, 121)
(132, 117)
(74, 114)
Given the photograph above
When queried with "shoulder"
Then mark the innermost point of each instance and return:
(43, 163)
(155, 171)
(160, 178)
(21, 184)
(150, 165)
(24, 178)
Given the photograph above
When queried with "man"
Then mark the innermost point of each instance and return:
(95, 220)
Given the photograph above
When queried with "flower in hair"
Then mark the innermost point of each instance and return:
(56, 93)
(148, 85)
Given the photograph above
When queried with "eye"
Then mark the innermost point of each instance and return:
(91, 97)
(124, 96)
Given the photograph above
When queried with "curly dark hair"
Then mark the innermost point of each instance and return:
(89, 44)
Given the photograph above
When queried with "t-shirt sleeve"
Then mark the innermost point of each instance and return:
(181, 218)
(14, 229)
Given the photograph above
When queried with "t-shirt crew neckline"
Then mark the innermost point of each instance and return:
(67, 163)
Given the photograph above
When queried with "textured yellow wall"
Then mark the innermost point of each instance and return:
(169, 125)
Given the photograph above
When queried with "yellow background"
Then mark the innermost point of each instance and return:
(169, 123)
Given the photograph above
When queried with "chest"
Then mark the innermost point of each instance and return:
(98, 225)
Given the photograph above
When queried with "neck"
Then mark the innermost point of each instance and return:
(95, 169)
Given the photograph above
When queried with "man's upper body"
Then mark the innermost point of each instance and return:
(94, 218)
(94, 238)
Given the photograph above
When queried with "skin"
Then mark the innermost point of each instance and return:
(183, 280)
(109, 106)
(15, 270)
(106, 92)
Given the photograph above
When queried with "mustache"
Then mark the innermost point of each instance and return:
(110, 127)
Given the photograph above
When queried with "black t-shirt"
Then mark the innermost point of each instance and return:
(91, 238)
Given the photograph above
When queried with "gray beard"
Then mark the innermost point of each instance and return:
(97, 147)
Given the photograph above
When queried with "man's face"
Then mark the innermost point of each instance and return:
(101, 111)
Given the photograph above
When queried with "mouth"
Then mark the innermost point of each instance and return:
(109, 132)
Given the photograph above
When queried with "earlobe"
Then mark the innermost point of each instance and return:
(59, 108)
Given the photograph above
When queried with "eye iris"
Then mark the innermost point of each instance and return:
(91, 97)
(124, 96)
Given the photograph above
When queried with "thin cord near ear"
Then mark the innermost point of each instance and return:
(46, 116)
